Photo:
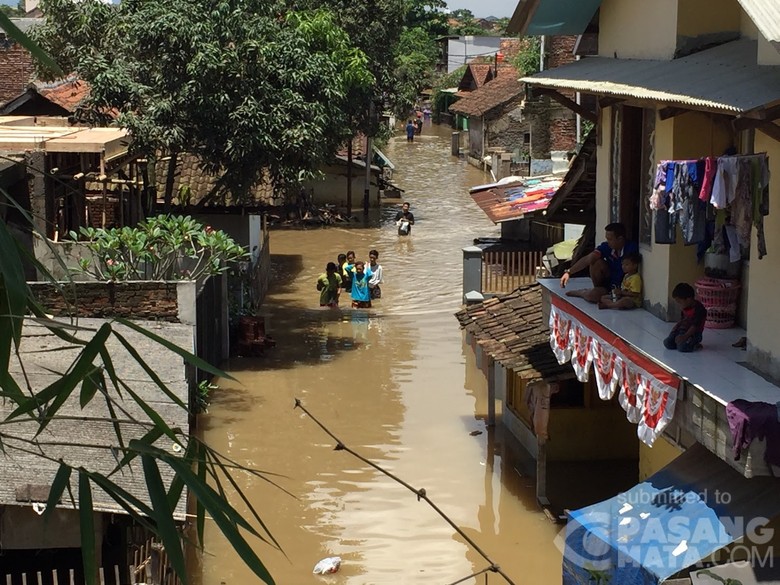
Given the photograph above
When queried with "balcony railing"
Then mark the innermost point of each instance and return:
(504, 271)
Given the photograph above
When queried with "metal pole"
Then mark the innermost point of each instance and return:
(369, 157)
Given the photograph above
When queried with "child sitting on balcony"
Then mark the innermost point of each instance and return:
(629, 294)
(686, 335)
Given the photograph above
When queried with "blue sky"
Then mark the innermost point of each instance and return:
(485, 8)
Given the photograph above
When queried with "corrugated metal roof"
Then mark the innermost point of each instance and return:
(725, 79)
(505, 202)
(766, 16)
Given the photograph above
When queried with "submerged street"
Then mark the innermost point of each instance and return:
(395, 383)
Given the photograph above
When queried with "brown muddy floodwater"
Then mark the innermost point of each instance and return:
(395, 383)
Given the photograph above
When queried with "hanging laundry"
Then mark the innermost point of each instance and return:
(710, 169)
(736, 185)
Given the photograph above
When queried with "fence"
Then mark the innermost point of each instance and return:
(504, 271)
(149, 566)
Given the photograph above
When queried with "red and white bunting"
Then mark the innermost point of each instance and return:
(606, 364)
(582, 351)
(628, 381)
(645, 391)
(560, 335)
(658, 400)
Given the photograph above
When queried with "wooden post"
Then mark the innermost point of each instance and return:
(103, 181)
(155, 565)
(541, 473)
(491, 393)
(349, 178)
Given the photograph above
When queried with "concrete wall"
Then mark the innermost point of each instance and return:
(332, 187)
(638, 29)
(655, 458)
(703, 22)
(767, 53)
(763, 318)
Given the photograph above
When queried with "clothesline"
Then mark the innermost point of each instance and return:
(737, 184)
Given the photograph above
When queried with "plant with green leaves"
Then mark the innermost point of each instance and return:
(164, 247)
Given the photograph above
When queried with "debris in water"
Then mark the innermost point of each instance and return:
(327, 566)
(475, 433)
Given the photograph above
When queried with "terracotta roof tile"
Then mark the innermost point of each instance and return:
(510, 329)
(66, 93)
(498, 92)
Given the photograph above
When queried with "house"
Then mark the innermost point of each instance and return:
(58, 98)
(675, 81)
(498, 115)
(80, 437)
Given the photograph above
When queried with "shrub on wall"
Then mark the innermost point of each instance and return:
(164, 247)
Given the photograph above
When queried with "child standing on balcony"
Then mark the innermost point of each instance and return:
(629, 294)
(687, 334)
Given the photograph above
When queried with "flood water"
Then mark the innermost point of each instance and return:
(396, 384)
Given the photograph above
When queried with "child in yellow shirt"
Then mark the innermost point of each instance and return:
(629, 295)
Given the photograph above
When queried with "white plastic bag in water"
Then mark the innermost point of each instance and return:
(327, 566)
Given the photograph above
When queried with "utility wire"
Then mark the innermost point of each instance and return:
(420, 493)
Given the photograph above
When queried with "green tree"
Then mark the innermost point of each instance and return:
(416, 58)
(246, 85)
(12, 11)
(466, 23)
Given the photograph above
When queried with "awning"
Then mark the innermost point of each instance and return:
(724, 79)
(570, 198)
(552, 17)
(693, 507)
(514, 200)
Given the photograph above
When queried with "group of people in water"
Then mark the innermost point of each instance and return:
(356, 278)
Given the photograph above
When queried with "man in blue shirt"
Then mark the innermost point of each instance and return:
(605, 264)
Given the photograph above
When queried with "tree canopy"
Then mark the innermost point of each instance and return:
(246, 85)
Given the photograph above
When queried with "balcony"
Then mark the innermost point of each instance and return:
(700, 384)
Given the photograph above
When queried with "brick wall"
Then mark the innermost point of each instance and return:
(95, 209)
(137, 300)
(16, 70)
(559, 50)
(563, 131)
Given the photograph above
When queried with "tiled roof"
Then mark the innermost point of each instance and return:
(66, 93)
(498, 92)
(475, 76)
(188, 173)
(510, 328)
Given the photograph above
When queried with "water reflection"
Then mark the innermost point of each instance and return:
(394, 383)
